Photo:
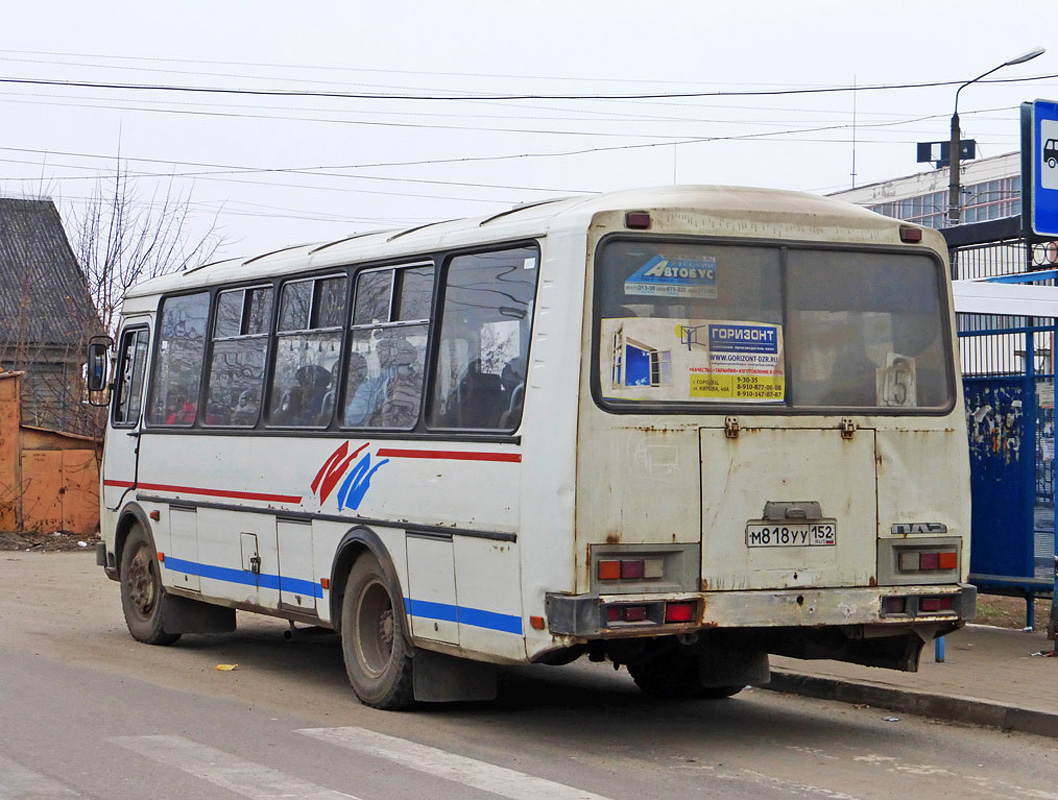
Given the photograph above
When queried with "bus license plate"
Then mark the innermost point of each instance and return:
(796, 534)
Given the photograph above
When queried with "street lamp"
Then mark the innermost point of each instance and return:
(954, 201)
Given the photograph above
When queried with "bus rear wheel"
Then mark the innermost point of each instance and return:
(141, 589)
(378, 656)
(674, 675)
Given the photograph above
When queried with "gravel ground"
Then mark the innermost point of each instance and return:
(48, 542)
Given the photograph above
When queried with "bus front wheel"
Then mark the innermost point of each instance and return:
(378, 657)
(141, 590)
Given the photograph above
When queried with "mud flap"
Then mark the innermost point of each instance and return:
(732, 667)
(182, 615)
(439, 678)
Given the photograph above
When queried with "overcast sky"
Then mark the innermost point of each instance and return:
(276, 170)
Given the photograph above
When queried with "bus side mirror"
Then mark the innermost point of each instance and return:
(99, 369)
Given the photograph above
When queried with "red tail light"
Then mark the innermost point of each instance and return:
(679, 612)
(637, 220)
(632, 570)
(894, 605)
(626, 614)
(635, 613)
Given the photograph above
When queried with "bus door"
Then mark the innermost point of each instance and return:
(122, 444)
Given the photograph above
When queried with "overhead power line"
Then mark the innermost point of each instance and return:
(154, 87)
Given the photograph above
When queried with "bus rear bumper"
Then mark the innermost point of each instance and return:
(880, 611)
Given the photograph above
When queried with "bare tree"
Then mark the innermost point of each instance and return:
(122, 238)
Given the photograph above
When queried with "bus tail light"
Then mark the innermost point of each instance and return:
(637, 220)
(914, 605)
(630, 569)
(927, 560)
(680, 612)
(627, 614)
(930, 604)
(609, 570)
(894, 605)
(910, 235)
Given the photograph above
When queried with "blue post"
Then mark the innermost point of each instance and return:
(938, 646)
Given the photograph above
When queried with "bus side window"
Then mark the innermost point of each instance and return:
(387, 353)
(308, 341)
(132, 365)
(484, 348)
(240, 344)
(176, 374)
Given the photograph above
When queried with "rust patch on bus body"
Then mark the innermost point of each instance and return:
(650, 429)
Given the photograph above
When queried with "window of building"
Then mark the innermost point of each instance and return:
(980, 201)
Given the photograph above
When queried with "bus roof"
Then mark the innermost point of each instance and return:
(723, 210)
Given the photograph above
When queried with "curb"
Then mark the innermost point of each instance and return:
(967, 710)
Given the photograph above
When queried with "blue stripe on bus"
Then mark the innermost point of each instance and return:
(228, 575)
(476, 617)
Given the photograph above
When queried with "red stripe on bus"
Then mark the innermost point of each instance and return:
(449, 455)
(275, 498)
(120, 484)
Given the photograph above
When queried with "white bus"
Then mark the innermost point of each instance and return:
(680, 429)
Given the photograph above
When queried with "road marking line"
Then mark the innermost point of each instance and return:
(18, 781)
(225, 770)
(792, 787)
(466, 771)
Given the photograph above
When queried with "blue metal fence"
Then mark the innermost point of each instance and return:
(1008, 379)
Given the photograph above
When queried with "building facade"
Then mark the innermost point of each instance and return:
(46, 315)
(991, 189)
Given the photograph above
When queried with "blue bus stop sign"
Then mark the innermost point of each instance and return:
(1039, 167)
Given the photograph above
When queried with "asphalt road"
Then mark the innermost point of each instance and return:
(86, 712)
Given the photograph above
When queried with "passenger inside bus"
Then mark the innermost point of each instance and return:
(246, 409)
(300, 405)
(389, 398)
(512, 380)
(313, 382)
(476, 401)
(183, 411)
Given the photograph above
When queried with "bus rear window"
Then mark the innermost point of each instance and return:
(684, 323)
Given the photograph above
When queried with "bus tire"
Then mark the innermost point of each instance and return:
(141, 589)
(669, 675)
(720, 692)
(676, 675)
(375, 646)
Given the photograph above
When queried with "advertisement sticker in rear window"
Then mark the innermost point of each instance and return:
(674, 277)
(699, 360)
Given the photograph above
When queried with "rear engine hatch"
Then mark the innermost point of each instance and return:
(783, 508)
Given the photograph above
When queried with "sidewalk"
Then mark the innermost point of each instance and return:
(989, 677)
